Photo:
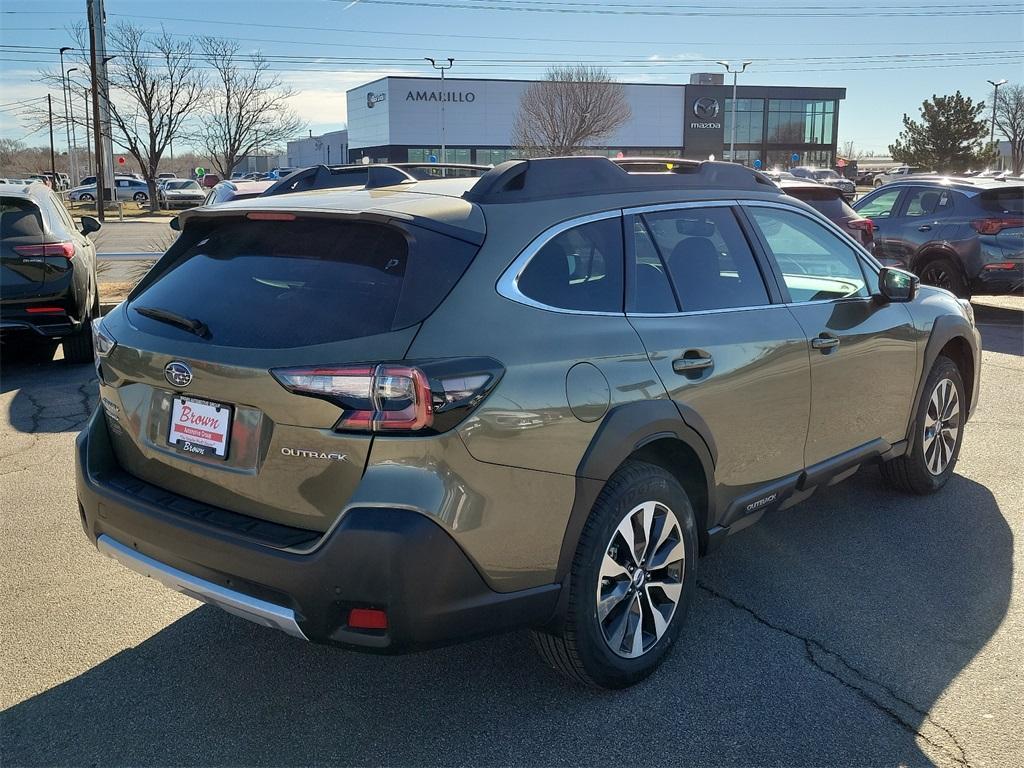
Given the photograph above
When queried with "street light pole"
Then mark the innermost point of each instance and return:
(995, 100)
(443, 69)
(88, 141)
(64, 93)
(74, 132)
(735, 74)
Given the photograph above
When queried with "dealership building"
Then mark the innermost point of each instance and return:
(398, 119)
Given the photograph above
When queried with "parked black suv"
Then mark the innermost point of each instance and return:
(390, 417)
(962, 234)
(48, 292)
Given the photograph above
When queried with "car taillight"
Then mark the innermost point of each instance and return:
(67, 250)
(427, 397)
(996, 225)
(864, 225)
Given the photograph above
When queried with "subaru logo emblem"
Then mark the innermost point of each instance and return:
(178, 374)
(706, 108)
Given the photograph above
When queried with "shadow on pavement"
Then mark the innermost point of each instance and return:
(51, 396)
(821, 636)
(1002, 328)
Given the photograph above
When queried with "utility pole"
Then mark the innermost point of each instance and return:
(735, 74)
(97, 132)
(443, 69)
(67, 124)
(995, 100)
(53, 162)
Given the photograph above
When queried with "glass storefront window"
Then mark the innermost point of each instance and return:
(749, 120)
(803, 121)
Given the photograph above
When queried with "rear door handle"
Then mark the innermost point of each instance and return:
(924, 228)
(692, 361)
(824, 342)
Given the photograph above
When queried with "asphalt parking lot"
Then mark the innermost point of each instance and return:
(861, 627)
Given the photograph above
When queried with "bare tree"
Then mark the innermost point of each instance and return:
(156, 89)
(572, 108)
(247, 108)
(1010, 122)
(850, 152)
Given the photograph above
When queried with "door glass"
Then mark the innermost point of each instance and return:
(579, 269)
(651, 292)
(923, 201)
(709, 260)
(880, 206)
(816, 264)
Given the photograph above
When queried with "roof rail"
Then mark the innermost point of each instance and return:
(370, 176)
(551, 177)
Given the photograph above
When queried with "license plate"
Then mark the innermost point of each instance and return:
(200, 427)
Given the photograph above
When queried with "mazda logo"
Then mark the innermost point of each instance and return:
(178, 374)
(706, 108)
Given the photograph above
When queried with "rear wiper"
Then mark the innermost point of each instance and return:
(198, 327)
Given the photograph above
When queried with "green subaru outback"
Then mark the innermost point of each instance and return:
(422, 410)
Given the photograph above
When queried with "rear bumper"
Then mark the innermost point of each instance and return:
(999, 281)
(19, 327)
(391, 559)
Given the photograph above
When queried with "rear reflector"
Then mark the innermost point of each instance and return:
(995, 226)
(45, 310)
(1003, 265)
(270, 216)
(67, 250)
(367, 618)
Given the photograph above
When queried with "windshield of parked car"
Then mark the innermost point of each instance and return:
(183, 185)
(826, 174)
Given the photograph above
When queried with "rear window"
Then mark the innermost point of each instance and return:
(274, 284)
(826, 202)
(19, 218)
(1009, 200)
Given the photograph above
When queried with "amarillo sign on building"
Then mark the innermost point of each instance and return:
(398, 119)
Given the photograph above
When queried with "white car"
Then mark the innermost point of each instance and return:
(898, 172)
(125, 189)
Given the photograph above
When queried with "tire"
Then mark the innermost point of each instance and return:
(140, 197)
(594, 652)
(944, 273)
(915, 471)
(84, 198)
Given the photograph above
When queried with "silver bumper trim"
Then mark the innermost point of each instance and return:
(251, 608)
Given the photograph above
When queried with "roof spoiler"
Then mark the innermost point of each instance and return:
(370, 176)
(551, 177)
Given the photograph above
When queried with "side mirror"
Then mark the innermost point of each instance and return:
(897, 285)
(175, 224)
(89, 224)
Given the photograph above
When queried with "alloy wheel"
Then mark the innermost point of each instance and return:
(641, 579)
(941, 427)
(937, 275)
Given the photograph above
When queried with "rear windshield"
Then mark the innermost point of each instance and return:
(19, 218)
(1009, 200)
(826, 202)
(274, 284)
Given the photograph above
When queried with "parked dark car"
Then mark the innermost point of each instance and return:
(181, 193)
(49, 293)
(831, 203)
(826, 176)
(236, 189)
(392, 417)
(962, 234)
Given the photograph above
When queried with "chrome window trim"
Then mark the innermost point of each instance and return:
(508, 284)
(678, 206)
(706, 311)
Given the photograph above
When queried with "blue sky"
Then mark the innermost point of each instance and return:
(888, 55)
